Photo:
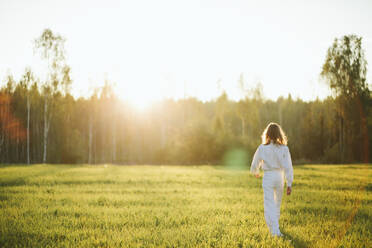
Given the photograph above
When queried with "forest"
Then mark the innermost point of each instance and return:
(41, 122)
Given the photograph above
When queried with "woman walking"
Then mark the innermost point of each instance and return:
(273, 157)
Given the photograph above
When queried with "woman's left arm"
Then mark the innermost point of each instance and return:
(288, 168)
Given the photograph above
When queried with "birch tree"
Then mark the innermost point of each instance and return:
(26, 82)
(92, 108)
(50, 46)
(242, 108)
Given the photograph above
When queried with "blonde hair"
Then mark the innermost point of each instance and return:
(273, 132)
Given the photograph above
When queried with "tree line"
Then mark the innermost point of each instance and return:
(41, 122)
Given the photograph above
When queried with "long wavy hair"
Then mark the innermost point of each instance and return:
(274, 133)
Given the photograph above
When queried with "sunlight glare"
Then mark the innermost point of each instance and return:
(141, 96)
(141, 103)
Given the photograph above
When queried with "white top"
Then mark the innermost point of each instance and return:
(273, 157)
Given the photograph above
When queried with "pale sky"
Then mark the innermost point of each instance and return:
(170, 48)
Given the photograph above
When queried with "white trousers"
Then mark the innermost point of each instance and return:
(272, 184)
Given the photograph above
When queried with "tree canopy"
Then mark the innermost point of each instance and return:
(105, 129)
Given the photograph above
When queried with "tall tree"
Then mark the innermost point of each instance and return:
(92, 108)
(219, 119)
(242, 108)
(27, 80)
(345, 70)
(51, 49)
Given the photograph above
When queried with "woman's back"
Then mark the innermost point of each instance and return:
(273, 156)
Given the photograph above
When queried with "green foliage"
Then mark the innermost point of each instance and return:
(171, 132)
(104, 129)
(345, 70)
(179, 206)
(50, 46)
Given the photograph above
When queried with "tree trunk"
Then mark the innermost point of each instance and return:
(103, 141)
(114, 142)
(339, 137)
(46, 127)
(321, 136)
(341, 140)
(16, 157)
(90, 140)
(28, 129)
(344, 158)
(163, 135)
(2, 139)
(365, 138)
(243, 127)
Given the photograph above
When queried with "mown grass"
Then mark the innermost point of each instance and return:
(179, 206)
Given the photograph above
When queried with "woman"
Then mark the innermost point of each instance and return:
(275, 160)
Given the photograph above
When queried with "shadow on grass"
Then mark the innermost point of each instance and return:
(369, 187)
(35, 165)
(298, 243)
(17, 179)
(13, 165)
(13, 182)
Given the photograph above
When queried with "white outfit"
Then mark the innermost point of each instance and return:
(275, 161)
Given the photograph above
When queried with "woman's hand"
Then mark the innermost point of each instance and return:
(289, 190)
(257, 175)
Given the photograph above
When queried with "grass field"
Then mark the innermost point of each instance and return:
(179, 206)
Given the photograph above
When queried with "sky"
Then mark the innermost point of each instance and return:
(168, 48)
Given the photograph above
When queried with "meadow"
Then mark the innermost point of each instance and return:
(179, 206)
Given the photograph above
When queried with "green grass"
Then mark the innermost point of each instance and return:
(179, 206)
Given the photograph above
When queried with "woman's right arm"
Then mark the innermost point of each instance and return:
(256, 162)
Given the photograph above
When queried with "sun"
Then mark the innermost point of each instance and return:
(141, 96)
(141, 102)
